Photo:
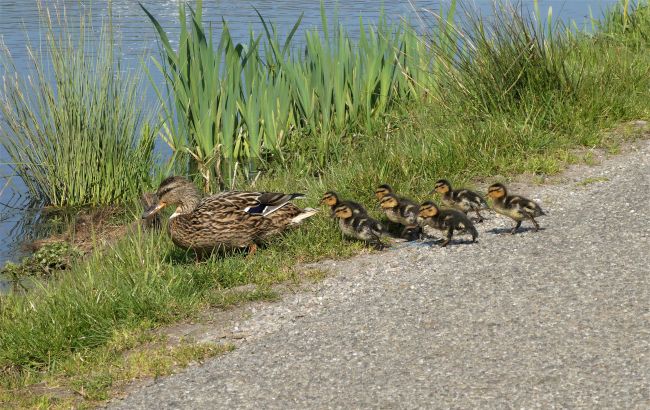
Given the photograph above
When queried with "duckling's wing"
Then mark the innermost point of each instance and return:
(409, 210)
(356, 207)
(470, 199)
(525, 206)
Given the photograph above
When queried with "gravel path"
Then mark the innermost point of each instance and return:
(558, 318)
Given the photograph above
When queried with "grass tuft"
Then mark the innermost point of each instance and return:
(75, 128)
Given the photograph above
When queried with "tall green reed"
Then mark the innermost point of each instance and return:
(75, 131)
(234, 105)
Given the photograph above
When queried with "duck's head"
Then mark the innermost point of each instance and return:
(442, 186)
(382, 191)
(428, 210)
(389, 201)
(343, 211)
(496, 191)
(330, 198)
(177, 191)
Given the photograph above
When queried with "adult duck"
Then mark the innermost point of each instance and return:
(229, 219)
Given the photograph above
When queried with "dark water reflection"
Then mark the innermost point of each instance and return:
(20, 20)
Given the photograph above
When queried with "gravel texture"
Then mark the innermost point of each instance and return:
(557, 318)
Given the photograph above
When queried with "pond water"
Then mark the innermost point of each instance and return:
(19, 20)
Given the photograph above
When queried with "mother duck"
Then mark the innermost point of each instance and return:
(230, 219)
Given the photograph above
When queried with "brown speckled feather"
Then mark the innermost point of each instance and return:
(222, 219)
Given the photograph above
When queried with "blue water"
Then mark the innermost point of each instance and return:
(19, 20)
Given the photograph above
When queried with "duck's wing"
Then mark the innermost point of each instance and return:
(409, 210)
(524, 205)
(356, 207)
(254, 203)
(471, 199)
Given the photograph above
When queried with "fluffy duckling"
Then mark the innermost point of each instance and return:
(514, 206)
(461, 199)
(359, 226)
(382, 191)
(401, 211)
(446, 220)
(331, 199)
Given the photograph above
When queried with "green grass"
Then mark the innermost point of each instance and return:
(75, 127)
(144, 282)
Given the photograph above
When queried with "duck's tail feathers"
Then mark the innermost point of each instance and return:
(306, 213)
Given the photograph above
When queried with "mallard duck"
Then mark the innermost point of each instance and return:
(514, 206)
(401, 211)
(446, 220)
(359, 226)
(230, 219)
(331, 199)
(462, 199)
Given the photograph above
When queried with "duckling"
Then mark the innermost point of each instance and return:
(359, 226)
(401, 211)
(331, 199)
(382, 191)
(385, 189)
(446, 220)
(462, 199)
(514, 206)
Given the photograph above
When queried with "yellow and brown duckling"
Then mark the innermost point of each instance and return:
(230, 219)
(462, 199)
(382, 191)
(401, 211)
(359, 226)
(331, 199)
(514, 206)
(448, 220)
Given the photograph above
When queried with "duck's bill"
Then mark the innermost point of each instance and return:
(152, 210)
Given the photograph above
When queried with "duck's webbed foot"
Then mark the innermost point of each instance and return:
(514, 230)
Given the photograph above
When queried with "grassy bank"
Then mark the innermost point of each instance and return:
(515, 102)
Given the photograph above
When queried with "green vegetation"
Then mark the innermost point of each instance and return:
(44, 262)
(76, 132)
(236, 105)
(517, 97)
